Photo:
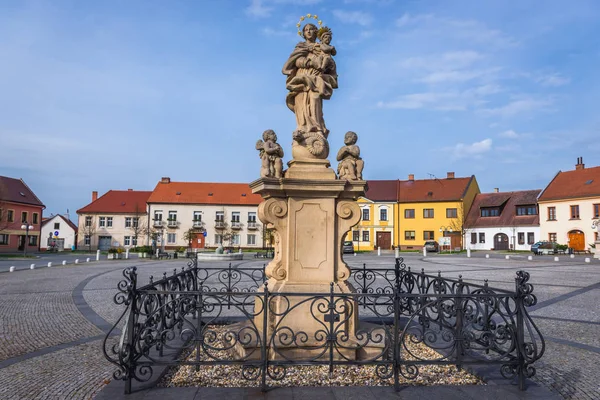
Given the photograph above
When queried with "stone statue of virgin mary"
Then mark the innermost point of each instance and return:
(311, 78)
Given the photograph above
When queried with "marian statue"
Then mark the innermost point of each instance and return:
(311, 78)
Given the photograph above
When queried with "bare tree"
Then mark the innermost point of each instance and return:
(459, 224)
(137, 228)
(4, 220)
(88, 230)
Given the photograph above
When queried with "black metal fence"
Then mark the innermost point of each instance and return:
(183, 313)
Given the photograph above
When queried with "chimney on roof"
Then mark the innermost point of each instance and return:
(130, 190)
(94, 195)
(165, 179)
(580, 164)
(450, 175)
(411, 177)
(496, 190)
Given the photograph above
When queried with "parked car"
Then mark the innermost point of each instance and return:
(432, 245)
(543, 246)
(347, 248)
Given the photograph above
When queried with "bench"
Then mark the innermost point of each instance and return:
(163, 254)
(263, 254)
(579, 252)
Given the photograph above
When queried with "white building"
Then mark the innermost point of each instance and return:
(201, 215)
(569, 204)
(58, 231)
(503, 221)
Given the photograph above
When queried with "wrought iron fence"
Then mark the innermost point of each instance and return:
(463, 323)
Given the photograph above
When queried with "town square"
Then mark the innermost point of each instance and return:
(428, 227)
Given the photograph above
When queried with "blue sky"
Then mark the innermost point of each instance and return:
(115, 95)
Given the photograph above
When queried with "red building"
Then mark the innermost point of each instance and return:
(19, 206)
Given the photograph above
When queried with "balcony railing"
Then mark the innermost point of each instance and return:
(236, 225)
(172, 224)
(157, 223)
(252, 225)
(197, 224)
(219, 224)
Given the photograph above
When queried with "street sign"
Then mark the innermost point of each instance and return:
(204, 233)
(55, 233)
(445, 241)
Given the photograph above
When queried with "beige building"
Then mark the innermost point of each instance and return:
(568, 205)
(201, 215)
(116, 219)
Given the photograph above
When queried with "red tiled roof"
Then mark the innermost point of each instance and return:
(204, 193)
(68, 221)
(508, 216)
(118, 201)
(16, 191)
(425, 190)
(573, 184)
(384, 190)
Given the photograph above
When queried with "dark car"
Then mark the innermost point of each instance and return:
(347, 248)
(432, 245)
(544, 247)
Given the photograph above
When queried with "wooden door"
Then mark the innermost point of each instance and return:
(500, 242)
(577, 240)
(198, 241)
(384, 240)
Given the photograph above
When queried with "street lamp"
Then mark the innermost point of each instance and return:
(443, 230)
(27, 227)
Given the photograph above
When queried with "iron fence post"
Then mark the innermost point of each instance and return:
(396, 339)
(331, 328)
(199, 340)
(130, 335)
(459, 324)
(520, 335)
(263, 347)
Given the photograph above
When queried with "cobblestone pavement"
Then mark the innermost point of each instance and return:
(52, 319)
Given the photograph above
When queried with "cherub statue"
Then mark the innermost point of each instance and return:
(350, 165)
(270, 154)
(327, 51)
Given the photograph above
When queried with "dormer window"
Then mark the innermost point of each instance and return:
(527, 210)
(490, 212)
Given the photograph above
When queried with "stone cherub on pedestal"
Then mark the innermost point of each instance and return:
(350, 165)
(270, 154)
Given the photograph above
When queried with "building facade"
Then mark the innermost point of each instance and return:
(429, 209)
(118, 218)
(19, 208)
(59, 233)
(503, 221)
(569, 204)
(203, 215)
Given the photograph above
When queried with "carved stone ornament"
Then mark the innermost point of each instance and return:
(350, 165)
(274, 211)
(349, 215)
(271, 154)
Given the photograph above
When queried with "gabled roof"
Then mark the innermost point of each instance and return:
(383, 190)
(204, 193)
(118, 201)
(16, 191)
(426, 190)
(67, 221)
(509, 216)
(573, 184)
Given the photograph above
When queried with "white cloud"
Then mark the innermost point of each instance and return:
(472, 150)
(258, 9)
(353, 17)
(443, 101)
(519, 106)
(552, 80)
(509, 134)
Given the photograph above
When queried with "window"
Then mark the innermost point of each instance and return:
(127, 241)
(428, 235)
(57, 225)
(409, 235)
(135, 222)
(365, 214)
(1, 214)
(481, 237)
(428, 213)
(171, 238)
(218, 239)
(235, 216)
(552, 237)
(551, 213)
(88, 221)
(33, 240)
(102, 222)
(251, 240)
(10, 216)
(530, 238)
(35, 218)
(158, 215)
(365, 237)
(521, 236)
(574, 212)
(127, 223)
(198, 216)
(220, 216)
(490, 212)
(473, 238)
(409, 213)
(86, 240)
(596, 210)
(109, 222)
(526, 210)
(3, 238)
(24, 217)
(383, 214)
(251, 217)
(355, 236)
(172, 216)
(596, 236)
(235, 239)
(133, 241)
(451, 213)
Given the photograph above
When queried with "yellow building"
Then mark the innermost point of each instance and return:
(428, 209)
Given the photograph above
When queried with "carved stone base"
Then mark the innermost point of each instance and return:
(596, 250)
